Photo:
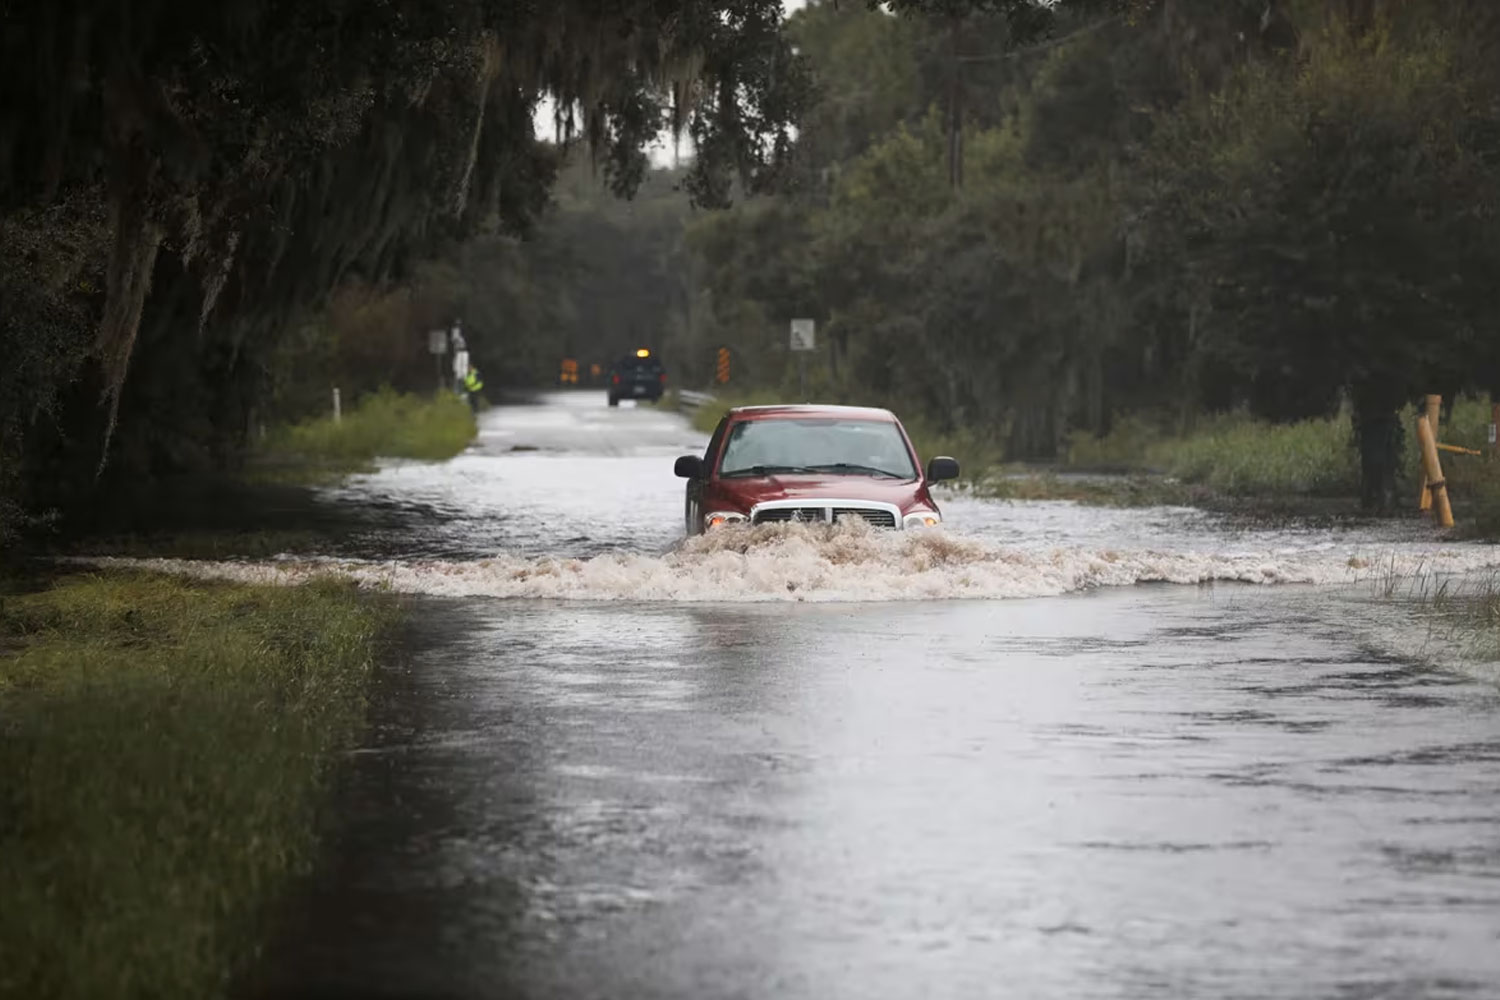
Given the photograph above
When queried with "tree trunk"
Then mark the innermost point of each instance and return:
(1377, 435)
(1033, 432)
(955, 106)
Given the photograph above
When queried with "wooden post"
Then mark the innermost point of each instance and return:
(338, 412)
(1432, 470)
(1434, 405)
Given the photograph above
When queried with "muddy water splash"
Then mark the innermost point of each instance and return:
(848, 563)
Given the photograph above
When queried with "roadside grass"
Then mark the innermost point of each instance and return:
(1460, 616)
(165, 748)
(1009, 483)
(258, 543)
(1231, 454)
(1470, 619)
(384, 424)
(1243, 457)
(1124, 449)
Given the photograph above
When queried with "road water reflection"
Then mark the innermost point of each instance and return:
(1123, 791)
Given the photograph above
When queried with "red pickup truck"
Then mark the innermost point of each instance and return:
(813, 464)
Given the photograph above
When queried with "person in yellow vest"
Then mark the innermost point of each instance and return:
(472, 384)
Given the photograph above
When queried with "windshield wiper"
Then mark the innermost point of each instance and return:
(849, 469)
(764, 470)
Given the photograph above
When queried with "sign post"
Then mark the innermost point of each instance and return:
(803, 340)
(437, 346)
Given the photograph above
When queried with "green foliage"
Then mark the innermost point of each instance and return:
(867, 75)
(1244, 457)
(1234, 454)
(385, 424)
(182, 186)
(1277, 210)
(166, 748)
(1332, 220)
(1125, 447)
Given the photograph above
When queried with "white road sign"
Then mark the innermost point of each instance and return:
(437, 341)
(802, 335)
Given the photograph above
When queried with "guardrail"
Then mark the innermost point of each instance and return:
(690, 400)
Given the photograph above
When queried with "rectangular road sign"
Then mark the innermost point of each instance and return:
(437, 341)
(802, 335)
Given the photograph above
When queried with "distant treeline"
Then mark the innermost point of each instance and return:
(1180, 208)
(1025, 218)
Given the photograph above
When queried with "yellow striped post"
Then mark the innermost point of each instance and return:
(1432, 470)
(1434, 406)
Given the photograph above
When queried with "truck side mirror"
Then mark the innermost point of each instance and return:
(689, 467)
(942, 467)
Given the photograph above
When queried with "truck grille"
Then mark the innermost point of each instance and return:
(815, 515)
(874, 516)
(878, 518)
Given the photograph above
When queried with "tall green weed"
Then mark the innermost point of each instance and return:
(166, 747)
(385, 424)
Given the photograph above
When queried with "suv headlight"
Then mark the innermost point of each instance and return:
(922, 519)
(721, 517)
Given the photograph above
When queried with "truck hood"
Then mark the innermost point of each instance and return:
(814, 488)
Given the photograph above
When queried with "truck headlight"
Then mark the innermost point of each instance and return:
(722, 517)
(922, 519)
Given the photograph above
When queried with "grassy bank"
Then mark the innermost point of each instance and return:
(1232, 454)
(166, 744)
(386, 424)
(1236, 456)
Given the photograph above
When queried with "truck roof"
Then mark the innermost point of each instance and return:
(791, 410)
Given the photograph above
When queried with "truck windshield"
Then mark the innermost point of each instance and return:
(817, 445)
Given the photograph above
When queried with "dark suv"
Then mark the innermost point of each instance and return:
(639, 376)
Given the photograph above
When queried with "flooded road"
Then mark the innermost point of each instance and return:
(992, 761)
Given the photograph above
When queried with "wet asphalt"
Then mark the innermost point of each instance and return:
(1141, 791)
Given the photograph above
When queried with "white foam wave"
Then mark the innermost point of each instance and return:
(847, 563)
